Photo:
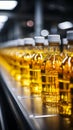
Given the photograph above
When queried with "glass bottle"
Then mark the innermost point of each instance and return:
(65, 79)
(25, 62)
(36, 81)
(50, 92)
(15, 56)
(70, 64)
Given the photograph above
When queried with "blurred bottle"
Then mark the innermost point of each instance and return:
(25, 62)
(15, 55)
(50, 92)
(71, 97)
(36, 81)
(65, 78)
(9, 55)
(70, 53)
(4, 58)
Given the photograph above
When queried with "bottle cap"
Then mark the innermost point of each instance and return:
(70, 35)
(21, 42)
(64, 41)
(44, 32)
(54, 38)
(29, 41)
(39, 39)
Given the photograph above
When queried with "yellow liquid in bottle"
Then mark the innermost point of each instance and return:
(50, 93)
(36, 82)
(25, 70)
(64, 85)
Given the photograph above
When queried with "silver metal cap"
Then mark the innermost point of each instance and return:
(29, 41)
(54, 38)
(70, 35)
(39, 39)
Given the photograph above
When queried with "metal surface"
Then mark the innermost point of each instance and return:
(2, 118)
(19, 112)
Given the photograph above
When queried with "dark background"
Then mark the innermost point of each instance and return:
(53, 12)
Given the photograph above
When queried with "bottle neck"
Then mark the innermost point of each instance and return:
(39, 46)
(54, 44)
(54, 47)
(70, 42)
(28, 45)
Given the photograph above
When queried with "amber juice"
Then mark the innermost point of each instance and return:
(65, 83)
(50, 93)
(37, 59)
(25, 66)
